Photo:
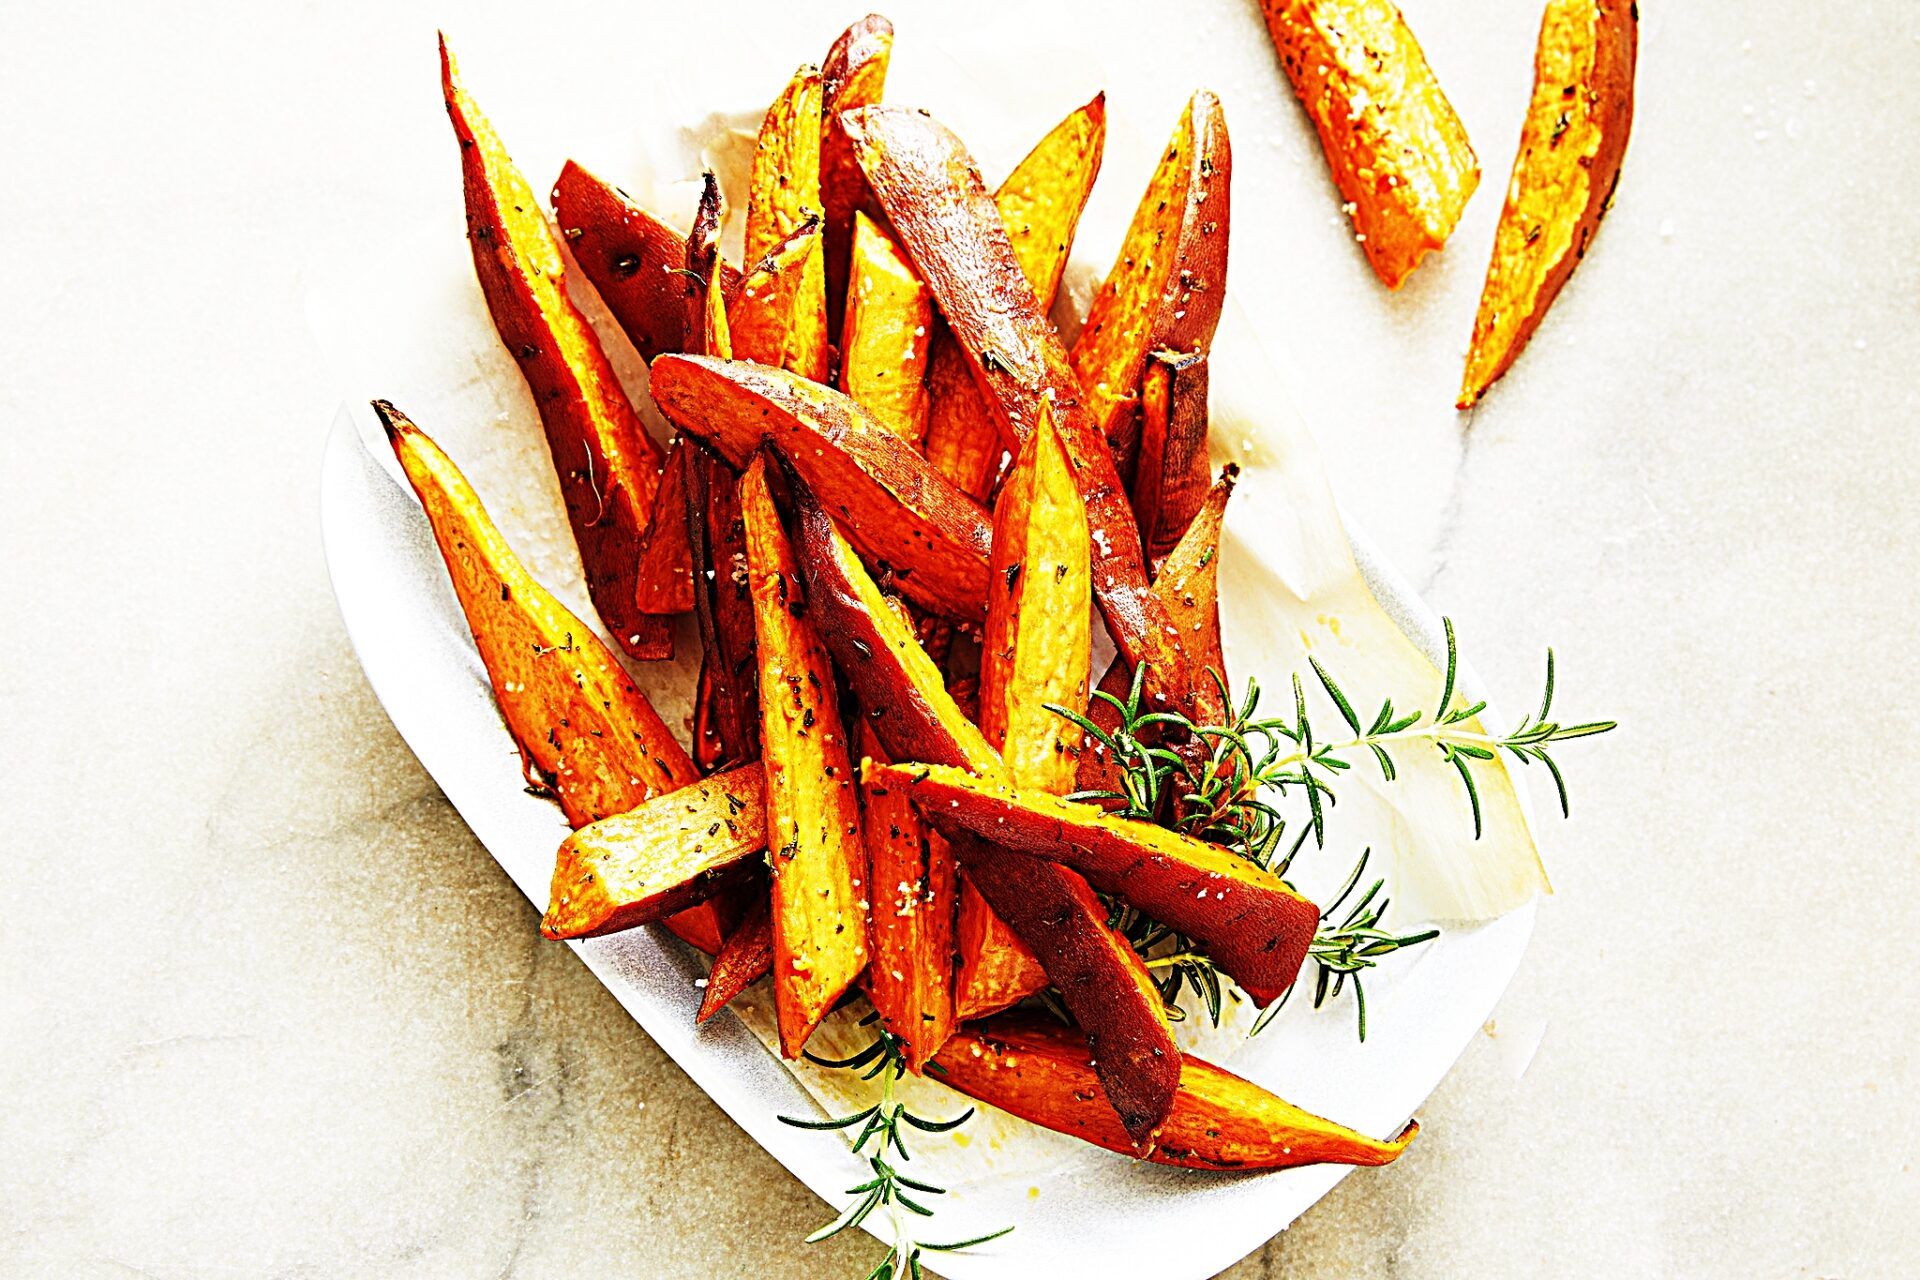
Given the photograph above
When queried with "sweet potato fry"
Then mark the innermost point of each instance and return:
(743, 959)
(663, 583)
(813, 809)
(910, 924)
(1171, 469)
(1038, 1070)
(784, 198)
(1040, 205)
(1168, 285)
(854, 75)
(883, 346)
(633, 259)
(702, 271)
(902, 513)
(1571, 149)
(608, 466)
(1255, 927)
(670, 852)
(768, 318)
(932, 192)
(1399, 154)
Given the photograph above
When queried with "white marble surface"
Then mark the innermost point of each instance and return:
(230, 883)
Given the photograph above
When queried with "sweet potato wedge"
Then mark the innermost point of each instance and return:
(912, 891)
(668, 853)
(743, 959)
(883, 346)
(1571, 149)
(813, 808)
(608, 466)
(899, 511)
(853, 75)
(940, 209)
(784, 197)
(1040, 205)
(1171, 468)
(1256, 928)
(1038, 1070)
(1399, 154)
(633, 259)
(663, 582)
(702, 271)
(769, 318)
(1168, 284)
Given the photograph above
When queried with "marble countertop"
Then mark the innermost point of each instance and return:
(230, 1048)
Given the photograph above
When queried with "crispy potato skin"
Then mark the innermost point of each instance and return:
(813, 808)
(665, 855)
(1571, 149)
(608, 466)
(853, 75)
(1040, 204)
(1168, 284)
(783, 198)
(743, 959)
(899, 511)
(1253, 925)
(883, 346)
(913, 888)
(1398, 152)
(933, 194)
(1039, 1071)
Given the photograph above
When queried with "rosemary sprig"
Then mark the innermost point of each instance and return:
(882, 1125)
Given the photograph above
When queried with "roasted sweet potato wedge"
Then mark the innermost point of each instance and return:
(1171, 468)
(702, 271)
(883, 346)
(940, 209)
(608, 466)
(743, 959)
(784, 198)
(912, 891)
(769, 319)
(853, 75)
(1571, 149)
(667, 854)
(1039, 1070)
(1040, 205)
(900, 512)
(1399, 154)
(633, 259)
(1168, 285)
(663, 583)
(813, 807)
(1256, 928)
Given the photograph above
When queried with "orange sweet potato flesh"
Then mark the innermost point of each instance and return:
(1038, 1070)
(1168, 284)
(633, 259)
(912, 891)
(1571, 149)
(783, 198)
(940, 209)
(670, 852)
(813, 807)
(768, 318)
(900, 512)
(743, 959)
(883, 345)
(608, 466)
(853, 75)
(1256, 928)
(1398, 152)
(1040, 204)
(663, 582)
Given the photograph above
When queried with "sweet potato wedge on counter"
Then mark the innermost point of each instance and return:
(883, 346)
(899, 511)
(910, 921)
(769, 319)
(813, 808)
(609, 467)
(1168, 284)
(743, 959)
(853, 75)
(1398, 152)
(1038, 1070)
(1256, 928)
(940, 209)
(1571, 149)
(670, 852)
(783, 198)
(1040, 204)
